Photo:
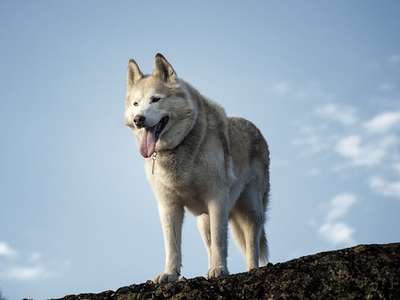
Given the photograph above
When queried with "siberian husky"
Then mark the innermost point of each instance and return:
(217, 167)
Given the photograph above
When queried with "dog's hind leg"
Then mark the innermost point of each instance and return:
(238, 233)
(203, 223)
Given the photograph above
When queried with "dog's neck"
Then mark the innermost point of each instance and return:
(190, 144)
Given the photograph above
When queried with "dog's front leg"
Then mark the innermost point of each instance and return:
(219, 234)
(171, 221)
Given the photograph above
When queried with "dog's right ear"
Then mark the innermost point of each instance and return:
(134, 73)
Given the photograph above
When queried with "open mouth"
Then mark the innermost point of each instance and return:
(150, 137)
(159, 127)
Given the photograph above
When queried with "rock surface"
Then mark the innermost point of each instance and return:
(361, 272)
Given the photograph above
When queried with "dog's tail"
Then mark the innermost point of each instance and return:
(239, 237)
(264, 251)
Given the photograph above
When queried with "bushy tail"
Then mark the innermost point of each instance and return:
(240, 240)
(264, 252)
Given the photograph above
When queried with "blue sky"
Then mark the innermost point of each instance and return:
(319, 78)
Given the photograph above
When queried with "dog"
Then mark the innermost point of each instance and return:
(198, 159)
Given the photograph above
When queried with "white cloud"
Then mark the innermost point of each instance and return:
(387, 87)
(345, 115)
(383, 122)
(26, 273)
(365, 154)
(35, 257)
(384, 187)
(312, 140)
(372, 144)
(25, 267)
(310, 90)
(313, 172)
(6, 250)
(367, 143)
(394, 59)
(396, 167)
(281, 88)
(349, 146)
(337, 233)
(339, 206)
(334, 230)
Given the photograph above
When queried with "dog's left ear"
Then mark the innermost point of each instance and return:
(163, 69)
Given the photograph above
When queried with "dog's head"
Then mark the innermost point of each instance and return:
(158, 108)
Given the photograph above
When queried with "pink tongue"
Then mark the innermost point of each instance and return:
(148, 144)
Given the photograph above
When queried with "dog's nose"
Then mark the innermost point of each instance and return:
(139, 120)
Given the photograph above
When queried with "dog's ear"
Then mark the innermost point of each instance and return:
(134, 73)
(163, 69)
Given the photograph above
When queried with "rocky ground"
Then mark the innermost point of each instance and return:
(361, 272)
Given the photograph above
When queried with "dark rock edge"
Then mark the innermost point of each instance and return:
(361, 272)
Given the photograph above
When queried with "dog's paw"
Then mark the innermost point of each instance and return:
(166, 277)
(215, 272)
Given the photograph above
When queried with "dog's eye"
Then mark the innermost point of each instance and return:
(155, 99)
(135, 103)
